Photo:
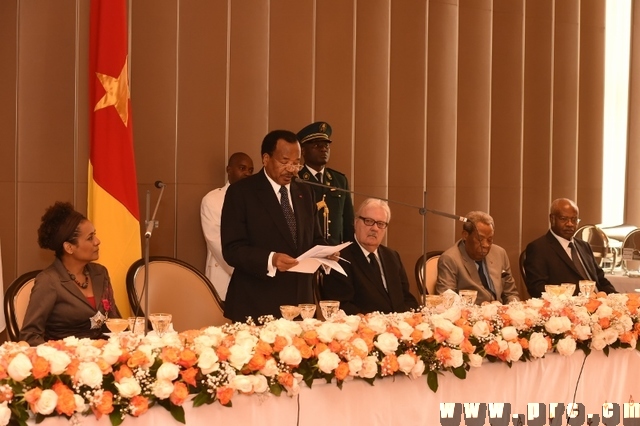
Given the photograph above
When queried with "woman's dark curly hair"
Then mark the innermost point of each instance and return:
(59, 225)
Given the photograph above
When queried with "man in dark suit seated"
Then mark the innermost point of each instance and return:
(557, 257)
(376, 279)
(267, 221)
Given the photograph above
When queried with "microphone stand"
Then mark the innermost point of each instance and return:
(153, 223)
(422, 210)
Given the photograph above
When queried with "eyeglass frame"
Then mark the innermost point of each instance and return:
(575, 220)
(381, 224)
(290, 166)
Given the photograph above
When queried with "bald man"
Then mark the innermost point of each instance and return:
(217, 270)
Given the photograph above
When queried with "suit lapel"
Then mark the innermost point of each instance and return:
(365, 266)
(70, 285)
(297, 199)
(559, 250)
(390, 267)
(585, 255)
(271, 204)
(495, 272)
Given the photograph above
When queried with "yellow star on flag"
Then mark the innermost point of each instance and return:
(117, 93)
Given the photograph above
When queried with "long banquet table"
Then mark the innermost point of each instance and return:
(622, 283)
(403, 401)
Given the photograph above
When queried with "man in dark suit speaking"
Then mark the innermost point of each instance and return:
(557, 257)
(376, 279)
(267, 221)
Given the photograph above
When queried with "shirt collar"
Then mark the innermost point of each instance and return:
(563, 242)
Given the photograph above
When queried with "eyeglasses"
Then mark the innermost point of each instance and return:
(291, 167)
(370, 222)
(565, 219)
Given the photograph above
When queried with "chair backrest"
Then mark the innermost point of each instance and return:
(426, 272)
(177, 288)
(523, 273)
(631, 252)
(16, 300)
(598, 241)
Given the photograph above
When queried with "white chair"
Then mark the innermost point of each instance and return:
(426, 272)
(631, 252)
(603, 253)
(177, 288)
(16, 300)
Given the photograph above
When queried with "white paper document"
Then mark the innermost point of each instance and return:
(312, 259)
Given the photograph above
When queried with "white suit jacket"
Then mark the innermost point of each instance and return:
(216, 269)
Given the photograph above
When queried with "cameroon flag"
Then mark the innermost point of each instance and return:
(113, 193)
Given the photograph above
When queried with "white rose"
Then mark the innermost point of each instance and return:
(538, 345)
(171, 339)
(147, 350)
(295, 388)
(208, 361)
(456, 359)
(290, 355)
(268, 335)
(424, 327)
(259, 383)
(201, 343)
(245, 338)
(457, 336)
(128, 387)
(328, 361)
(111, 352)
(604, 311)
(453, 314)
(610, 336)
(405, 330)
(509, 333)
(5, 414)
(535, 303)
(387, 343)
(89, 374)
(369, 368)
(20, 367)
(168, 371)
(517, 316)
(239, 356)
(355, 365)
(216, 334)
(598, 342)
(475, 360)
(377, 323)
(353, 321)
(360, 345)
(515, 351)
(489, 310)
(581, 314)
(557, 325)
(241, 383)
(566, 346)
(270, 368)
(286, 328)
(87, 352)
(417, 370)
(406, 363)
(582, 332)
(326, 331)
(58, 360)
(71, 341)
(532, 314)
(480, 329)
(624, 323)
(47, 402)
(442, 323)
(162, 389)
(81, 406)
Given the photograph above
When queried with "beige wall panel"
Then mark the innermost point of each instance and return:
(632, 196)
(8, 237)
(407, 128)
(202, 82)
(46, 103)
(442, 93)
(591, 104)
(506, 126)
(290, 63)
(474, 106)
(191, 246)
(334, 78)
(248, 79)
(565, 99)
(538, 95)
(372, 99)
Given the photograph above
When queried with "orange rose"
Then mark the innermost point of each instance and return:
(285, 379)
(263, 348)
(440, 335)
(41, 367)
(72, 368)
(592, 305)
(279, 344)
(416, 336)
(105, 367)
(122, 372)
(189, 375)
(188, 358)
(170, 354)
(137, 359)
(139, 405)
(335, 346)
(320, 347)
(3, 372)
(66, 403)
(224, 395)
(342, 371)
(305, 350)
(627, 337)
(604, 322)
(467, 347)
(33, 395)
(389, 365)
(179, 394)
(311, 337)
(506, 319)
(223, 353)
(524, 343)
(103, 404)
(257, 362)
(493, 348)
(395, 331)
(6, 393)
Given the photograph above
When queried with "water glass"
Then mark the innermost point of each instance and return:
(468, 296)
(136, 325)
(289, 312)
(307, 310)
(329, 308)
(587, 288)
(160, 323)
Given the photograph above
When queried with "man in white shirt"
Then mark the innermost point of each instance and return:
(217, 270)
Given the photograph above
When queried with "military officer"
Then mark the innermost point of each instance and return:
(315, 141)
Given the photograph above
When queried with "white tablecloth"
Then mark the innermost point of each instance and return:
(624, 284)
(404, 402)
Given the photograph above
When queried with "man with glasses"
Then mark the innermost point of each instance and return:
(268, 220)
(315, 140)
(557, 257)
(376, 279)
(475, 263)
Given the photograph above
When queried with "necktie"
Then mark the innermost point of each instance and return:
(375, 268)
(576, 261)
(288, 213)
(319, 177)
(483, 278)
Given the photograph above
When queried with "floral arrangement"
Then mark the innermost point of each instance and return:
(128, 374)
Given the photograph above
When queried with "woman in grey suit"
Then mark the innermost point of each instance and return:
(73, 296)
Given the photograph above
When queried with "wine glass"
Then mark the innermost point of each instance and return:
(289, 312)
(554, 290)
(117, 325)
(160, 323)
(587, 288)
(329, 308)
(432, 301)
(136, 325)
(468, 296)
(307, 310)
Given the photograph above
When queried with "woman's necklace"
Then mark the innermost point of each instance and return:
(83, 285)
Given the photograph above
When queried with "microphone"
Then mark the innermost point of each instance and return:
(159, 184)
